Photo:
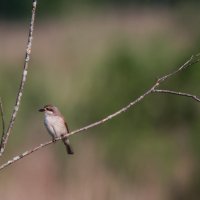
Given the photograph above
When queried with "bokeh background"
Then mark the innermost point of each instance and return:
(90, 58)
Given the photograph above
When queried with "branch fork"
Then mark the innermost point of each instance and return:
(154, 89)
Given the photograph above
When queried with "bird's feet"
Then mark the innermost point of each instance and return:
(53, 140)
(62, 136)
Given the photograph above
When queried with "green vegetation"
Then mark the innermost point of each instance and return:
(20, 9)
(121, 76)
(92, 66)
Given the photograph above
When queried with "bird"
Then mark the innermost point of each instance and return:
(56, 125)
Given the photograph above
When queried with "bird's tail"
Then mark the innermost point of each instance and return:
(68, 146)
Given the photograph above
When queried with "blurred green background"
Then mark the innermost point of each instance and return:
(90, 58)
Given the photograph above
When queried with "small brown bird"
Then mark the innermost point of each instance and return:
(56, 125)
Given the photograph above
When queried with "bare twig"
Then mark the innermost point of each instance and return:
(2, 117)
(193, 59)
(124, 109)
(177, 93)
(6, 134)
(153, 89)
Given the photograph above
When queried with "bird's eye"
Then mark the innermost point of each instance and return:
(49, 109)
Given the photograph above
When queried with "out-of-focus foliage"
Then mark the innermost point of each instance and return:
(20, 9)
(123, 77)
(91, 66)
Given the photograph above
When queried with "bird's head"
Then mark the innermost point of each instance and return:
(50, 110)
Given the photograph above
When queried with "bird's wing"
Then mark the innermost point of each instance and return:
(67, 127)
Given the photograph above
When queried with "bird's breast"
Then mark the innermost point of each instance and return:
(55, 125)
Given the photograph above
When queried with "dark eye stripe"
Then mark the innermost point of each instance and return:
(49, 109)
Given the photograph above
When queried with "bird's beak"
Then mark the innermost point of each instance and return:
(41, 110)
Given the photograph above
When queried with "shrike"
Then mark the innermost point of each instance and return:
(56, 125)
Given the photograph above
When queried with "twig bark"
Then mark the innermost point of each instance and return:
(153, 89)
(6, 134)
(2, 117)
(193, 59)
(177, 93)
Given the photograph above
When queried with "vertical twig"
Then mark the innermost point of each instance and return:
(2, 116)
(6, 134)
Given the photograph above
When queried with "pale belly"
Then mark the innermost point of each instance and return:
(55, 126)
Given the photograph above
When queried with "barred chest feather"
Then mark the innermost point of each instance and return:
(55, 125)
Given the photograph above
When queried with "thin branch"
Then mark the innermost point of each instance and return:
(6, 134)
(124, 109)
(193, 59)
(2, 117)
(177, 93)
